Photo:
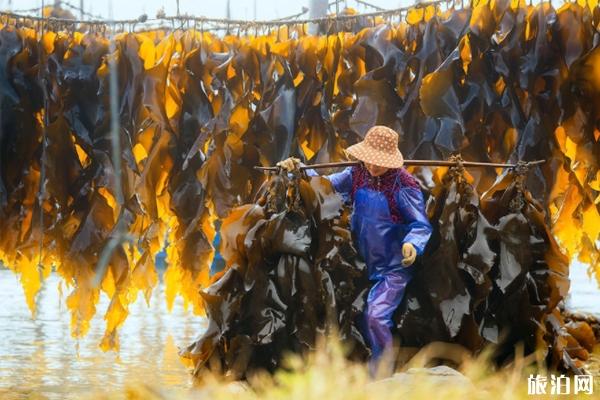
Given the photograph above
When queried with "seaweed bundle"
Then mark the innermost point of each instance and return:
(499, 81)
(292, 275)
(492, 274)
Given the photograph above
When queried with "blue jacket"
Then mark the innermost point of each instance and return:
(379, 238)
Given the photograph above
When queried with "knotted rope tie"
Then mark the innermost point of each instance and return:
(457, 172)
(520, 172)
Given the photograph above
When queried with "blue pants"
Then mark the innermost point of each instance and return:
(385, 296)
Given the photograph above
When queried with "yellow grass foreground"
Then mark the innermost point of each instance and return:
(327, 374)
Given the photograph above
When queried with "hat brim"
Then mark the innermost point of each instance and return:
(372, 156)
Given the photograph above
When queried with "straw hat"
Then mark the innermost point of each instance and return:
(379, 147)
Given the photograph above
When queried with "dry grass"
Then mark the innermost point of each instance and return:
(327, 374)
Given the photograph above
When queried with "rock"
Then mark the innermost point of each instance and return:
(237, 387)
(440, 375)
(221, 390)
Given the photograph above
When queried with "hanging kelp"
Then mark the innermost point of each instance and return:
(520, 86)
(292, 275)
(493, 279)
(530, 276)
(452, 284)
(501, 81)
(491, 274)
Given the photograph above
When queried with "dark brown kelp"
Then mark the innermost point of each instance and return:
(452, 285)
(530, 276)
(499, 81)
(491, 274)
(292, 275)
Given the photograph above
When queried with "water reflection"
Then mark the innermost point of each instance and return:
(584, 293)
(40, 355)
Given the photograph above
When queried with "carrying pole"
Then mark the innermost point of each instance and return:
(425, 163)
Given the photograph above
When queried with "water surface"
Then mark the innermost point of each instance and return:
(39, 355)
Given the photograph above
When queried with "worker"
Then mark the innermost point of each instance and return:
(390, 226)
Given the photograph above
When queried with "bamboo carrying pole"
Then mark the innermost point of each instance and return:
(427, 163)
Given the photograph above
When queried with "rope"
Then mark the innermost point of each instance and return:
(293, 16)
(518, 201)
(42, 186)
(119, 235)
(364, 3)
(235, 22)
(31, 10)
(457, 171)
(79, 9)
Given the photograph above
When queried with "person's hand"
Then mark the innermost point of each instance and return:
(409, 253)
(289, 164)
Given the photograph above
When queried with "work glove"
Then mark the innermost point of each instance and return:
(409, 253)
(290, 164)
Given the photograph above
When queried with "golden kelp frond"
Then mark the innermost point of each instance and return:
(502, 81)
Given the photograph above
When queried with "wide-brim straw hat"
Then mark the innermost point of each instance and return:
(379, 147)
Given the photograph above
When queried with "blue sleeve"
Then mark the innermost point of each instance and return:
(341, 181)
(412, 207)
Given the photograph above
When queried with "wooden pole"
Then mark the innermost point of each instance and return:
(426, 163)
(316, 9)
